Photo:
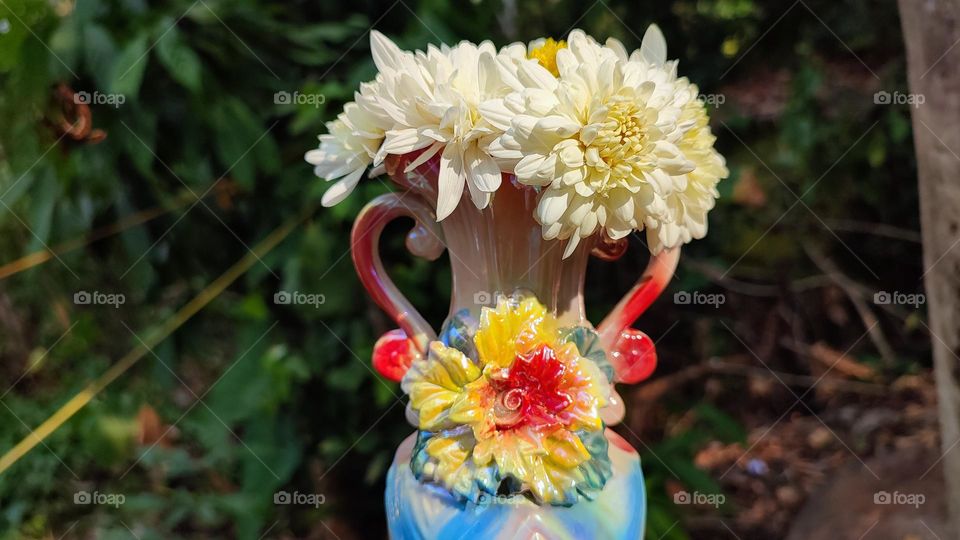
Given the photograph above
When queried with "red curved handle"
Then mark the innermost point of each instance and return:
(423, 240)
(653, 281)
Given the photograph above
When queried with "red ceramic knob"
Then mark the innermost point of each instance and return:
(393, 354)
(634, 356)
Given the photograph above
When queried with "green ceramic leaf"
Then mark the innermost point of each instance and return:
(588, 343)
(598, 469)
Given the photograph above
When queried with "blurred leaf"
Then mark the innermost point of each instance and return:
(877, 150)
(179, 60)
(236, 130)
(40, 222)
(99, 53)
(127, 72)
(725, 427)
(18, 16)
(663, 525)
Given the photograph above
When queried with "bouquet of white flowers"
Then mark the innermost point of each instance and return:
(611, 141)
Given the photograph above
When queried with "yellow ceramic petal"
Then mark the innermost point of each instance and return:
(494, 339)
(565, 449)
(435, 382)
(432, 404)
(472, 404)
(535, 326)
(562, 484)
(483, 452)
(515, 456)
(452, 467)
(450, 453)
(550, 471)
(451, 368)
(551, 484)
(511, 329)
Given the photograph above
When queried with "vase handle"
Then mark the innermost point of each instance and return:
(423, 240)
(653, 281)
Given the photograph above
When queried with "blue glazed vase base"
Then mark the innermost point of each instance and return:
(418, 511)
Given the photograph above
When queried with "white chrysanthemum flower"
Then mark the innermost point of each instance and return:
(351, 143)
(601, 140)
(435, 106)
(616, 142)
(695, 193)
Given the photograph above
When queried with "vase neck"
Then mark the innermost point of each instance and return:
(500, 249)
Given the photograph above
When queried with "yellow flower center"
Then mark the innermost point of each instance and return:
(546, 54)
(619, 144)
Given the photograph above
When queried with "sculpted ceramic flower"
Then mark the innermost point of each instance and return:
(605, 141)
(520, 412)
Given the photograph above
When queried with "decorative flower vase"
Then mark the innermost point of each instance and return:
(510, 445)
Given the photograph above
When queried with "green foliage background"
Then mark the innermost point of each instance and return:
(289, 401)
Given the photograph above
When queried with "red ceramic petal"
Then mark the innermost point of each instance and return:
(393, 353)
(633, 356)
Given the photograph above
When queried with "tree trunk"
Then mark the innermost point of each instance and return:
(931, 30)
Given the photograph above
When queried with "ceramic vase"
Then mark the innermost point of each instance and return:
(498, 253)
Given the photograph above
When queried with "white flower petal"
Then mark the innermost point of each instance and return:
(496, 112)
(342, 188)
(402, 141)
(533, 75)
(424, 156)
(572, 243)
(507, 158)
(526, 169)
(551, 231)
(483, 171)
(546, 172)
(481, 199)
(451, 181)
(653, 48)
(558, 126)
(571, 155)
(552, 205)
(617, 47)
(386, 54)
